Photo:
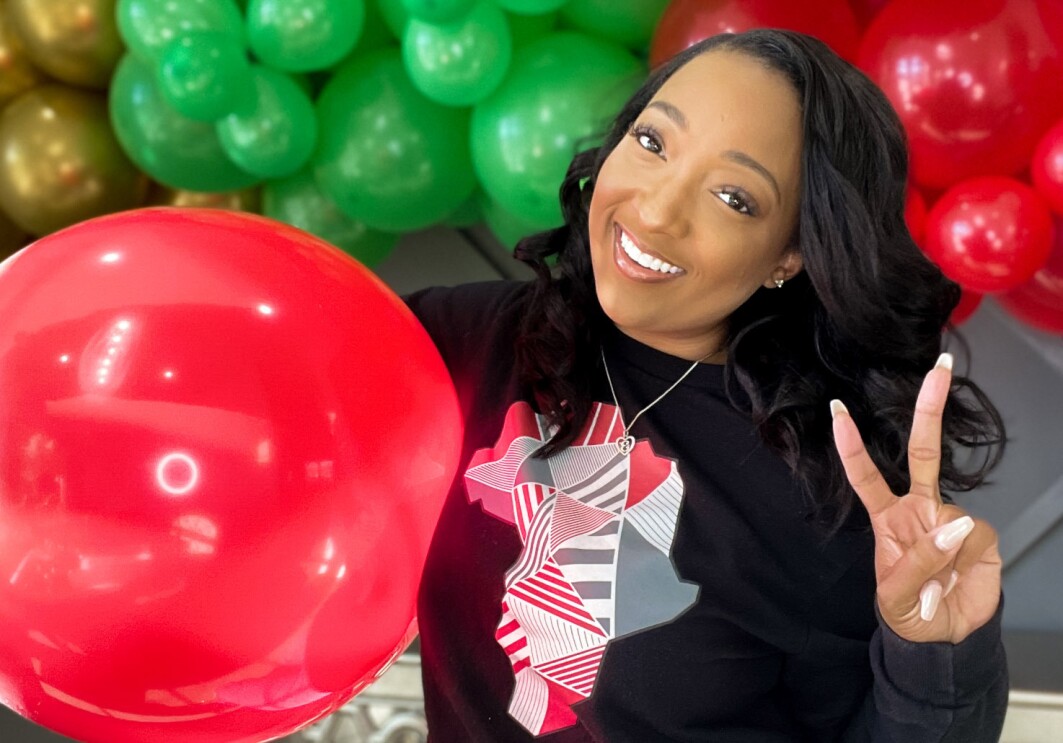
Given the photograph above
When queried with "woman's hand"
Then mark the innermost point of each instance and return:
(938, 570)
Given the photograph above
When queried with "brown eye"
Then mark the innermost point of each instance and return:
(648, 138)
(738, 200)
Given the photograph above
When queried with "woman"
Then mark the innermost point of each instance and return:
(657, 535)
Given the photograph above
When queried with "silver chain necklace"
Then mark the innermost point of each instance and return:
(626, 442)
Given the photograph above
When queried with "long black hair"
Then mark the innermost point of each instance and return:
(862, 322)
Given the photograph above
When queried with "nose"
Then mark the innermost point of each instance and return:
(661, 206)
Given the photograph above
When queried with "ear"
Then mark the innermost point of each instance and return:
(789, 266)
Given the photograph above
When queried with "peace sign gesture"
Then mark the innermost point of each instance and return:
(937, 569)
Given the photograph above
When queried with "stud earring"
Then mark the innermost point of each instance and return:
(779, 282)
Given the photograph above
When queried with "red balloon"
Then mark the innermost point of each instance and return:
(915, 215)
(970, 79)
(969, 304)
(1039, 302)
(686, 22)
(224, 445)
(989, 234)
(1046, 167)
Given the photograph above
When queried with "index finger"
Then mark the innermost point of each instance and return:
(871, 487)
(924, 444)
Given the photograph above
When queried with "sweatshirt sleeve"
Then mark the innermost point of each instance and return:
(935, 692)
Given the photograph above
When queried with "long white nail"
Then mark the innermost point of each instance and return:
(837, 406)
(953, 533)
(944, 361)
(929, 599)
(954, 577)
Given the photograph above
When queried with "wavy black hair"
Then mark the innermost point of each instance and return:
(863, 322)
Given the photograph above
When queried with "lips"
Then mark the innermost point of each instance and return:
(638, 262)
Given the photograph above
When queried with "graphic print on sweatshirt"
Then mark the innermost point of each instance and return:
(597, 530)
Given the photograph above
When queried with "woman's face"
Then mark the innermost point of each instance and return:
(705, 190)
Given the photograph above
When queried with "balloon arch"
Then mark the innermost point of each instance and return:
(338, 115)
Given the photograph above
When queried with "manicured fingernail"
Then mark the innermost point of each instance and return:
(837, 406)
(953, 578)
(944, 361)
(929, 598)
(953, 533)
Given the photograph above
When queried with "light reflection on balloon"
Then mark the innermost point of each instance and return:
(184, 481)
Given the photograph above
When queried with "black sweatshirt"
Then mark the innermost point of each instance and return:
(680, 593)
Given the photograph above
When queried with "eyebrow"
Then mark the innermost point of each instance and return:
(735, 156)
(671, 112)
(742, 158)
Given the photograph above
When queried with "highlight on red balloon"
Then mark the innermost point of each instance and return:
(224, 445)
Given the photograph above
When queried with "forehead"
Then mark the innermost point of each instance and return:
(733, 101)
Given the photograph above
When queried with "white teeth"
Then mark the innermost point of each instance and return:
(644, 259)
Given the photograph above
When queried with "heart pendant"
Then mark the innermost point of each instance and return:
(625, 444)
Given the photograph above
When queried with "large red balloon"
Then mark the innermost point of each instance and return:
(972, 80)
(1046, 167)
(989, 234)
(223, 448)
(1039, 302)
(686, 22)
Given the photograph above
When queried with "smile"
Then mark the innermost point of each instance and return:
(639, 263)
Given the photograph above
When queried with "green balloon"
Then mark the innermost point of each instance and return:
(173, 149)
(530, 7)
(303, 35)
(395, 16)
(527, 28)
(509, 228)
(461, 63)
(388, 156)
(438, 11)
(299, 201)
(274, 133)
(560, 96)
(202, 74)
(146, 26)
(627, 22)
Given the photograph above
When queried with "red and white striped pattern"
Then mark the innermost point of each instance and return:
(577, 672)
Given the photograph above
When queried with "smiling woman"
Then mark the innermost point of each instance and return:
(706, 452)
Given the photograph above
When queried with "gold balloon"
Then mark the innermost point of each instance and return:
(75, 41)
(17, 73)
(244, 200)
(62, 162)
(12, 237)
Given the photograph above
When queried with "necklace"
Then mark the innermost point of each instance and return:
(626, 442)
